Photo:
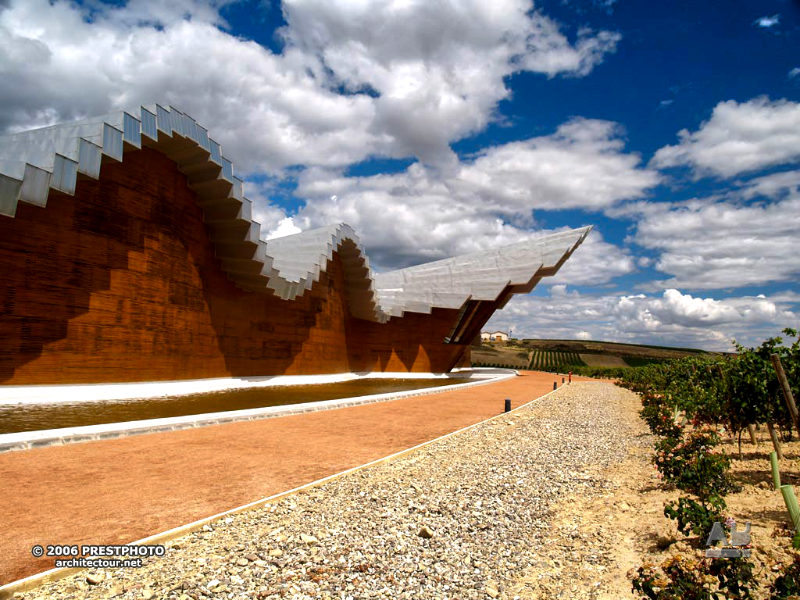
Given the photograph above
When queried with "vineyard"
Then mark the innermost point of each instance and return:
(554, 361)
(689, 404)
(595, 358)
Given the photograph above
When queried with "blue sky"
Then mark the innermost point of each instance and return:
(438, 128)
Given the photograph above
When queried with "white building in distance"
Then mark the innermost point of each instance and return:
(494, 336)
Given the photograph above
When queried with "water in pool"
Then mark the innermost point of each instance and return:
(34, 417)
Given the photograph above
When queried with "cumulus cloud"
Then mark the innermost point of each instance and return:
(437, 67)
(739, 138)
(673, 317)
(403, 218)
(424, 213)
(265, 109)
(727, 243)
(354, 80)
(596, 262)
(284, 227)
(675, 308)
(679, 314)
(581, 166)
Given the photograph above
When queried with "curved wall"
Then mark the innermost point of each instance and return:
(119, 283)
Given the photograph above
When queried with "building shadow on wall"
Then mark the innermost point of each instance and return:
(172, 313)
(414, 342)
(53, 259)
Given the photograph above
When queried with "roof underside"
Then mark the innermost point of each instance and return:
(34, 162)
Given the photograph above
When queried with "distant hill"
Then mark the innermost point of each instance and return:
(563, 355)
(618, 348)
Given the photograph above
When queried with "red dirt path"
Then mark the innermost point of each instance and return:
(117, 491)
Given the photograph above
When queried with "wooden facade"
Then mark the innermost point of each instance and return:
(120, 283)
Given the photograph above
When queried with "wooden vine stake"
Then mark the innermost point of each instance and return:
(751, 429)
(787, 391)
(776, 443)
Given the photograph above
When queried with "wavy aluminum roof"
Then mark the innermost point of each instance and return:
(33, 162)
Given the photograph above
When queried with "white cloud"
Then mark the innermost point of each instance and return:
(551, 53)
(725, 244)
(673, 318)
(682, 309)
(265, 109)
(774, 185)
(434, 72)
(438, 67)
(423, 213)
(682, 316)
(787, 296)
(402, 219)
(285, 227)
(794, 73)
(582, 165)
(739, 138)
(596, 262)
(767, 21)
(161, 14)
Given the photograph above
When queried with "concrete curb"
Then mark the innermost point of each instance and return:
(33, 581)
(26, 440)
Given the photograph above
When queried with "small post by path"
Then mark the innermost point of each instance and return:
(570, 377)
(787, 391)
(508, 405)
(555, 385)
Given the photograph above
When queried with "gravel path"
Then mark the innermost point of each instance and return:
(470, 516)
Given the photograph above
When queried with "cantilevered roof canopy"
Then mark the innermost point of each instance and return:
(34, 162)
(481, 276)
